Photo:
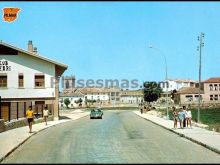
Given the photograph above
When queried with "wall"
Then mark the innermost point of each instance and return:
(29, 66)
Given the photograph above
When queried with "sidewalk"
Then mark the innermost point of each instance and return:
(12, 139)
(206, 138)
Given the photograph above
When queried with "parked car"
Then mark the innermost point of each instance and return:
(96, 114)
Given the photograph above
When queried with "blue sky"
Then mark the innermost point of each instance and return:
(109, 40)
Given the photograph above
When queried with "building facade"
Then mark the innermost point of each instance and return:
(102, 96)
(177, 84)
(188, 96)
(131, 97)
(27, 79)
(212, 90)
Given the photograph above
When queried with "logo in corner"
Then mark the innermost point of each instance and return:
(10, 13)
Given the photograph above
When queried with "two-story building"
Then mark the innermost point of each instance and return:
(131, 96)
(212, 90)
(27, 79)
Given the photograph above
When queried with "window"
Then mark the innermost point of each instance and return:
(197, 97)
(39, 81)
(3, 81)
(189, 97)
(211, 97)
(20, 80)
(211, 87)
(216, 97)
(215, 87)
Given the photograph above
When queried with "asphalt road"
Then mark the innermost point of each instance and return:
(120, 137)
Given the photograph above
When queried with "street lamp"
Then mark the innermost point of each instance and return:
(165, 61)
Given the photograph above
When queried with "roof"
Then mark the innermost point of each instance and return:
(213, 80)
(93, 90)
(60, 66)
(184, 81)
(132, 93)
(72, 93)
(99, 90)
(189, 90)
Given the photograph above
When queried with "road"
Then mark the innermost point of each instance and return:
(120, 137)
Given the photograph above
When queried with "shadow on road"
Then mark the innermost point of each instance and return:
(63, 117)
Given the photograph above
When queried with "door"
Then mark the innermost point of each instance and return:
(5, 111)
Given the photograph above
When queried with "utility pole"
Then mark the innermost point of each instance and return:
(199, 48)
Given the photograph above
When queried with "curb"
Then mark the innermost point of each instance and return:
(182, 135)
(12, 150)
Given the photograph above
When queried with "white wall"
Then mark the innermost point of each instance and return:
(29, 66)
(72, 101)
(175, 85)
(131, 99)
(101, 97)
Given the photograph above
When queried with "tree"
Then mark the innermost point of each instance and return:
(67, 102)
(173, 94)
(152, 91)
(91, 101)
(79, 101)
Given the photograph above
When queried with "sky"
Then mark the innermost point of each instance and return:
(110, 40)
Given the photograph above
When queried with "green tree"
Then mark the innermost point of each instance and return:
(91, 101)
(79, 101)
(67, 102)
(152, 91)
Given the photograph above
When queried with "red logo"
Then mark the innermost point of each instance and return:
(10, 13)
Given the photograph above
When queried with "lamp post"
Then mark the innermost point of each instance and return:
(165, 61)
(199, 48)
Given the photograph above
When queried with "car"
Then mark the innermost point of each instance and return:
(96, 114)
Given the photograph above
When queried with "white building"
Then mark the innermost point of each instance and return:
(176, 84)
(131, 96)
(27, 79)
(102, 96)
(73, 96)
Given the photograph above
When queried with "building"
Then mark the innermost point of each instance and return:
(27, 79)
(132, 96)
(177, 84)
(102, 96)
(188, 96)
(68, 82)
(212, 90)
(73, 96)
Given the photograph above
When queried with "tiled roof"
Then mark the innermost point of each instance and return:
(85, 91)
(189, 90)
(73, 92)
(132, 93)
(213, 80)
(98, 90)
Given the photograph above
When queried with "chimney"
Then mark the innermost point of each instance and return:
(30, 46)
